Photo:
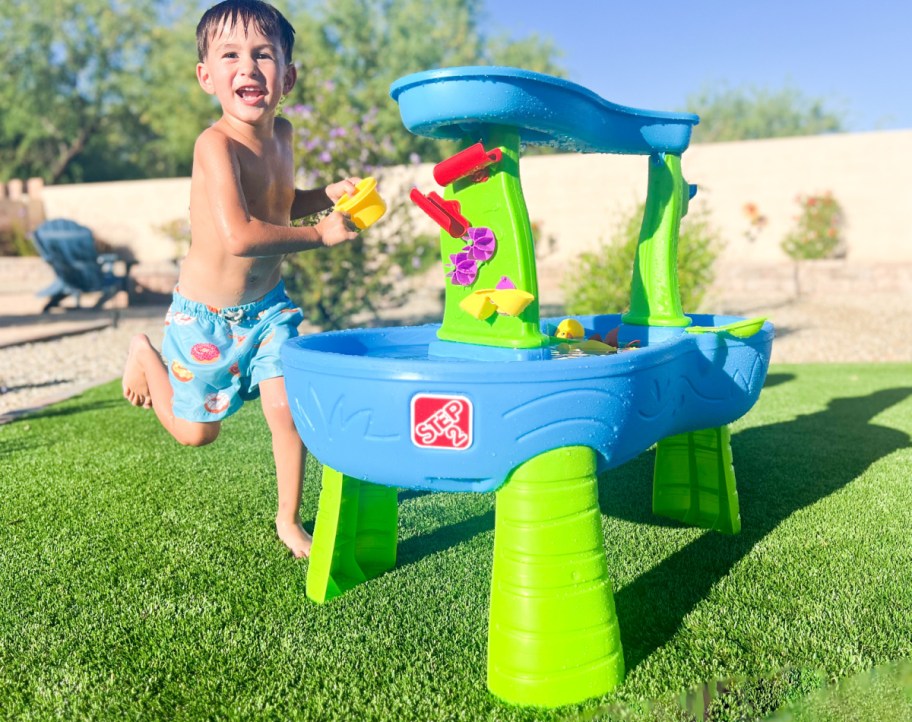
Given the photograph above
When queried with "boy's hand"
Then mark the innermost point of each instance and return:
(336, 190)
(336, 228)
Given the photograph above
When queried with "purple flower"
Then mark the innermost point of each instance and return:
(325, 157)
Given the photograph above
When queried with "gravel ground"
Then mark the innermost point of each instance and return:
(847, 328)
(35, 374)
(833, 328)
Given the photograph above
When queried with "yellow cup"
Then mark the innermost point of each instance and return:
(366, 207)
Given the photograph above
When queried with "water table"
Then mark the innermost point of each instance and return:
(494, 398)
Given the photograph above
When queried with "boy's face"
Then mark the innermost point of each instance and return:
(247, 72)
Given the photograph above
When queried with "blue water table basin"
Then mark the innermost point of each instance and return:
(496, 399)
(354, 397)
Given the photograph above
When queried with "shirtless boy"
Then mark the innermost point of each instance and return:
(230, 314)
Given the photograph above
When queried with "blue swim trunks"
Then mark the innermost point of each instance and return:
(217, 358)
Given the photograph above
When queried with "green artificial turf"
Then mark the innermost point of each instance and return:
(143, 580)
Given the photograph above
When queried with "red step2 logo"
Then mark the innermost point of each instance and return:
(441, 422)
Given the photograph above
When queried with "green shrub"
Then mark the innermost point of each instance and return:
(818, 230)
(14, 222)
(14, 242)
(601, 281)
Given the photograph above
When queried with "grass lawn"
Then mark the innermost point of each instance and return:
(142, 580)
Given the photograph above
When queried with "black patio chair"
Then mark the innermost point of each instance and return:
(69, 249)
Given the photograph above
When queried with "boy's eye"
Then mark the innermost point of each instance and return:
(268, 56)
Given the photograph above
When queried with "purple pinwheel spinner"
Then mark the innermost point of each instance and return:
(465, 269)
(482, 243)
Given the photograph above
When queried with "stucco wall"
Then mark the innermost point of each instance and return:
(126, 214)
(578, 199)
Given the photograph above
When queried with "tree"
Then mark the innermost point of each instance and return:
(747, 113)
(92, 88)
(364, 45)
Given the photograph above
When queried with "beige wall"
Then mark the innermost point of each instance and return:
(578, 198)
(125, 214)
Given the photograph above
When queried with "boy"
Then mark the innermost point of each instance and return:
(230, 314)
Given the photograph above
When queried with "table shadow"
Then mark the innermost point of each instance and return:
(779, 470)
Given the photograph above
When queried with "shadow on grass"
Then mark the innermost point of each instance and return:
(71, 408)
(407, 494)
(776, 379)
(417, 548)
(780, 468)
(39, 413)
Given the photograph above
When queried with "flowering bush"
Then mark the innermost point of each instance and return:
(333, 142)
(818, 230)
(756, 221)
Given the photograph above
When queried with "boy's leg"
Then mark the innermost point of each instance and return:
(146, 383)
(290, 454)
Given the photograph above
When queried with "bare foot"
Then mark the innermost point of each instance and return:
(135, 385)
(294, 537)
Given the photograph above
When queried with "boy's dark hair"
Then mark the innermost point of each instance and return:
(264, 16)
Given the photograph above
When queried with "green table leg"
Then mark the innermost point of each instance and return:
(354, 536)
(378, 518)
(553, 636)
(694, 480)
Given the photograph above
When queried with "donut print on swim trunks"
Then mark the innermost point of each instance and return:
(216, 402)
(205, 353)
(181, 372)
(182, 319)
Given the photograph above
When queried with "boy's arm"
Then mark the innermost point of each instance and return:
(240, 233)
(306, 203)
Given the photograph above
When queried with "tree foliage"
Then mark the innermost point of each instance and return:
(364, 45)
(749, 113)
(89, 91)
(101, 90)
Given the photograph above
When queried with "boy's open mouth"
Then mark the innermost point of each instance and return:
(250, 93)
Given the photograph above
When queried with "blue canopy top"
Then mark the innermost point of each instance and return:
(457, 102)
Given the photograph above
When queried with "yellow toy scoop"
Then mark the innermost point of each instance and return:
(365, 207)
(740, 329)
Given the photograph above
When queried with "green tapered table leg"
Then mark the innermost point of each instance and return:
(354, 535)
(378, 528)
(694, 480)
(553, 637)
